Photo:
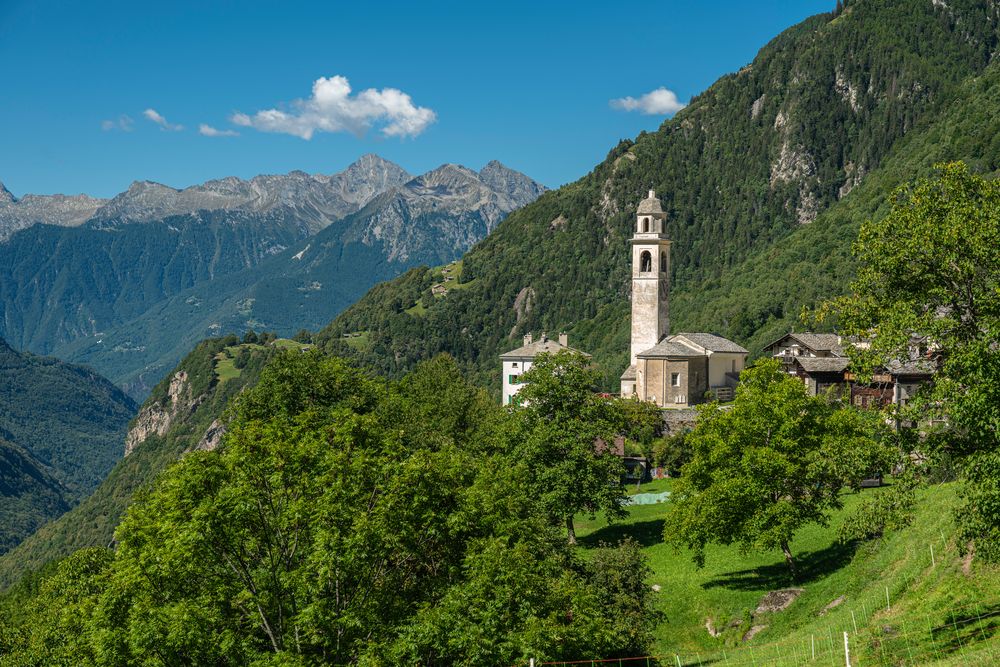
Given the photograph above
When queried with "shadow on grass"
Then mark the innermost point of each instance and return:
(960, 631)
(811, 565)
(646, 533)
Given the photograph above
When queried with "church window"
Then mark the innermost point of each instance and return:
(645, 224)
(675, 379)
(645, 262)
(663, 262)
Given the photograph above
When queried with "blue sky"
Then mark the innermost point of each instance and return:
(527, 83)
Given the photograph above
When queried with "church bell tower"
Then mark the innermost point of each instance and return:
(650, 277)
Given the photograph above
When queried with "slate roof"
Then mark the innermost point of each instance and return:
(912, 367)
(650, 206)
(630, 373)
(668, 348)
(712, 342)
(817, 342)
(532, 350)
(823, 364)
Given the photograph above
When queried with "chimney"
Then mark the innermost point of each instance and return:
(564, 339)
(527, 338)
(544, 337)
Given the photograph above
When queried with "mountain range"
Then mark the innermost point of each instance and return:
(129, 284)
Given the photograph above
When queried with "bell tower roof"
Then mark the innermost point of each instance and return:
(651, 206)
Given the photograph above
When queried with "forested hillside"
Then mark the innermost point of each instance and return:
(764, 177)
(61, 431)
(184, 418)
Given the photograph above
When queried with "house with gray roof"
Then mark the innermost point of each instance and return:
(517, 362)
(794, 345)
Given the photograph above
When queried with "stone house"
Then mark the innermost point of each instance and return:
(794, 345)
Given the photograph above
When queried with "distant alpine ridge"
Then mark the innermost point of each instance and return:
(275, 252)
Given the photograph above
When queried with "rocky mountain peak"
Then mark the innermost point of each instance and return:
(5, 195)
(520, 189)
(368, 176)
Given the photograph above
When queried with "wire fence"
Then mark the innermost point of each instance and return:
(876, 630)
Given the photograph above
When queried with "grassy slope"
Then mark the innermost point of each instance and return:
(922, 597)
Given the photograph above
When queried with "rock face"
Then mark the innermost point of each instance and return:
(451, 207)
(5, 195)
(213, 437)
(61, 210)
(156, 418)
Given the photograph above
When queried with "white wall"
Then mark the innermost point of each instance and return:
(720, 363)
(512, 368)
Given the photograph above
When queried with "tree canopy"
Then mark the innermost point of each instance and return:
(774, 461)
(928, 290)
(565, 432)
(343, 521)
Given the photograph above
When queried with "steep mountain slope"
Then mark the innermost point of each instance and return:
(29, 495)
(430, 219)
(157, 267)
(180, 415)
(61, 431)
(68, 417)
(764, 157)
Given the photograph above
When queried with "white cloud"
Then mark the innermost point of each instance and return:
(332, 108)
(657, 102)
(123, 123)
(154, 115)
(209, 131)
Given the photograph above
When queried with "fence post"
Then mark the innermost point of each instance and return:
(847, 651)
(933, 564)
(855, 622)
(887, 607)
(531, 662)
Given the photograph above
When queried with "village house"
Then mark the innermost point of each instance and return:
(671, 371)
(793, 346)
(516, 362)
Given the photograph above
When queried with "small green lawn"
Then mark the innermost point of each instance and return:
(358, 340)
(923, 599)
(289, 344)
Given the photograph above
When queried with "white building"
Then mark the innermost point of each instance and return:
(517, 362)
(672, 371)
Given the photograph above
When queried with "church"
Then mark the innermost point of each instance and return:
(672, 371)
(679, 370)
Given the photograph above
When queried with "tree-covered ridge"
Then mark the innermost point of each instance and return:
(29, 495)
(61, 431)
(67, 417)
(779, 144)
(93, 521)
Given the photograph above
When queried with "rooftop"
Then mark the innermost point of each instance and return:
(668, 348)
(713, 342)
(532, 350)
(650, 205)
(823, 364)
(817, 342)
